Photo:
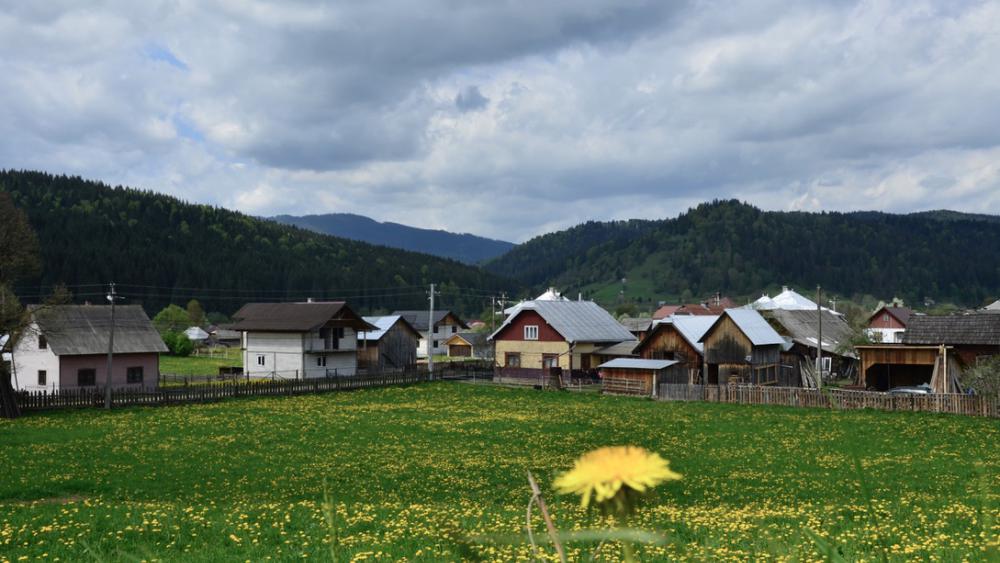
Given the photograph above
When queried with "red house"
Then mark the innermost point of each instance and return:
(888, 324)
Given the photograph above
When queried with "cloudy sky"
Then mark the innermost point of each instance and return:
(510, 118)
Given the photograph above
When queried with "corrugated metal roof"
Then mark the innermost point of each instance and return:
(692, 328)
(635, 363)
(754, 326)
(84, 329)
(576, 321)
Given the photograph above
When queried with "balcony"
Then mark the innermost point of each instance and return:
(329, 345)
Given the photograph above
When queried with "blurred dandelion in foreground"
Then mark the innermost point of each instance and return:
(615, 477)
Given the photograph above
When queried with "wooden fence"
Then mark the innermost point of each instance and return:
(91, 397)
(974, 405)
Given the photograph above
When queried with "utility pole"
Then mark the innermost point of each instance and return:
(819, 340)
(493, 313)
(430, 337)
(112, 297)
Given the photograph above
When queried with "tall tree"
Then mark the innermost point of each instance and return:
(18, 259)
(195, 312)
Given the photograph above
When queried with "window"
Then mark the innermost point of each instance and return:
(531, 332)
(512, 360)
(454, 329)
(42, 342)
(321, 361)
(436, 330)
(260, 359)
(827, 364)
(550, 361)
(885, 317)
(42, 377)
(86, 378)
(435, 344)
(133, 375)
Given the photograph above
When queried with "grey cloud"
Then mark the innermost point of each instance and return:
(471, 99)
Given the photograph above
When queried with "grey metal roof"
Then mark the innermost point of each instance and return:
(626, 348)
(638, 324)
(754, 326)
(635, 363)
(692, 328)
(418, 319)
(84, 329)
(294, 317)
(576, 321)
(383, 324)
(977, 329)
(803, 327)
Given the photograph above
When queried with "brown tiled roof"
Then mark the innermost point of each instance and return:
(978, 329)
(295, 317)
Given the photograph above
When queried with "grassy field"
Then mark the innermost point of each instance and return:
(199, 365)
(413, 470)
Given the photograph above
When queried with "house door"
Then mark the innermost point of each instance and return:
(585, 362)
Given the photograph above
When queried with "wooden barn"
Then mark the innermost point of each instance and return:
(677, 338)
(393, 346)
(469, 345)
(801, 328)
(634, 376)
(741, 347)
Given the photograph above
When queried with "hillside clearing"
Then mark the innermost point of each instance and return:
(412, 469)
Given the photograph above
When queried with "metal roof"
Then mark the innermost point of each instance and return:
(637, 324)
(73, 330)
(788, 300)
(692, 328)
(626, 348)
(294, 317)
(383, 325)
(753, 325)
(635, 363)
(418, 319)
(995, 306)
(576, 321)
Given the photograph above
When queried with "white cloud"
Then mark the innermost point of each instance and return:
(508, 119)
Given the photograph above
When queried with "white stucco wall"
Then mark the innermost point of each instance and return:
(29, 359)
(293, 355)
(886, 335)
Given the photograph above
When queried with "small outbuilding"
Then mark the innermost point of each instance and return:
(741, 347)
(393, 346)
(678, 338)
(634, 376)
(469, 345)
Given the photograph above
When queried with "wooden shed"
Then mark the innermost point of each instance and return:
(469, 345)
(392, 347)
(633, 376)
(884, 366)
(678, 338)
(741, 347)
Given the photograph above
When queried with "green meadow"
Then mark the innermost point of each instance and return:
(410, 473)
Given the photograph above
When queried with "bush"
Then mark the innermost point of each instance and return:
(178, 344)
(984, 377)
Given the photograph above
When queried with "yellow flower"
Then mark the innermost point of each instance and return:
(605, 472)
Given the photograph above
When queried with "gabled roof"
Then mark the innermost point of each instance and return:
(576, 321)
(638, 324)
(665, 311)
(788, 300)
(383, 325)
(803, 327)
(548, 295)
(474, 339)
(296, 317)
(995, 306)
(626, 348)
(418, 319)
(636, 363)
(751, 324)
(195, 333)
(693, 328)
(73, 330)
(902, 314)
(977, 329)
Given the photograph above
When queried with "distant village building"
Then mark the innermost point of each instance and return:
(887, 324)
(995, 306)
(433, 334)
(392, 346)
(469, 345)
(547, 334)
(66, 346)
(741, 347)
(299, 340)
(788, 300)
(196, 334)
(678, 338)
(551, 294)
(710, 307)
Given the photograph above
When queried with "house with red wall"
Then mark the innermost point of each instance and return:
(888, 324)
(66, 347)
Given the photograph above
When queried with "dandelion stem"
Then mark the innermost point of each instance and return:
(553, 533)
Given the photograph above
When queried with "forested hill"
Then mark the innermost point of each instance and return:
(464, 247)
(740, 250)
(162, 250)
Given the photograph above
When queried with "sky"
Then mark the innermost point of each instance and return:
(512, 118)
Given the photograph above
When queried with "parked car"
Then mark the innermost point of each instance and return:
(922, 389)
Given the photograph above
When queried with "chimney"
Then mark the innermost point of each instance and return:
(579, 296)
(784, 288)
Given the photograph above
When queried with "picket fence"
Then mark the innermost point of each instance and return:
(94, 397)
(844, 399)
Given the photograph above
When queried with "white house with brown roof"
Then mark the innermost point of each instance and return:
(66, 346)
(299, 340)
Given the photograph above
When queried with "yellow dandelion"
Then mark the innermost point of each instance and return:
(606, 472)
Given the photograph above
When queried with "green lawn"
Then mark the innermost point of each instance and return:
(200, 365)
(412, 470)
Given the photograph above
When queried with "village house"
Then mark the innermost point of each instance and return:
(710, 307)
(678, 338)
(66, 346)
(543, 335)
(741, 347)
(888, 323)
(392, 346)
(787, 300)
(801, 330)
(299, 340)
(469, 345)
(434, 334)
